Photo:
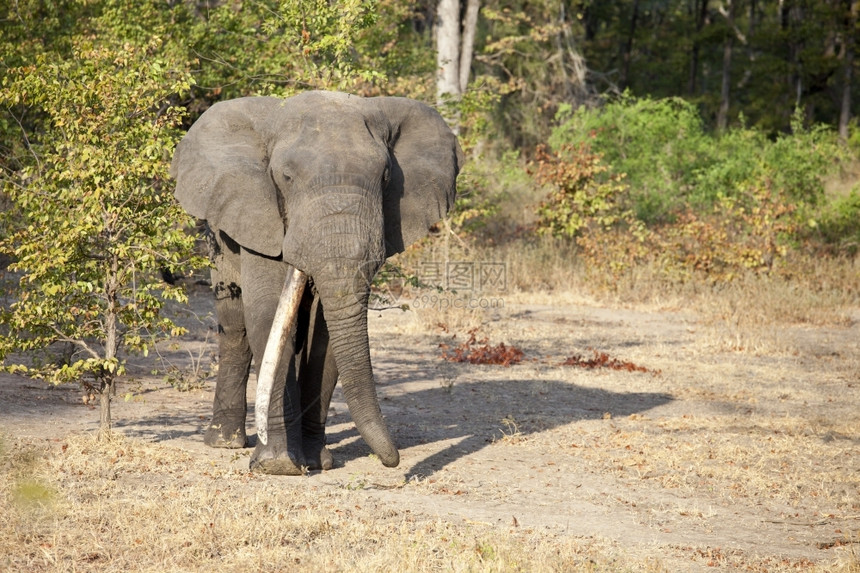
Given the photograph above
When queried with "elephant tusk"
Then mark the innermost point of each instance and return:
(285, 317)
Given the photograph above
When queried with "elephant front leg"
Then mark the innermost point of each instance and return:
(282, 453)
(262, 279)
(227, 428)
(318, 376)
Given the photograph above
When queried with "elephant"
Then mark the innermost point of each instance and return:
(305, 198)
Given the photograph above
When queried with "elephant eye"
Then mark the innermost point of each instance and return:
(284, 178)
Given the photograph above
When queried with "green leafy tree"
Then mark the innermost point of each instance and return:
(283, 47)
(93, 220)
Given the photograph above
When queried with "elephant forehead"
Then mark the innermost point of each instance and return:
(322, 185)
(338, 206)
(332, 116)
(312, 151)
(314, 101)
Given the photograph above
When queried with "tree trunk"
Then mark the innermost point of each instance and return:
(790, 13)
(470, 23)
(571, 66)
(725, 90)
(454, 48)
(701, 11)
(447, 51)
(104, 403)
(628, 48)
(107, 378)
(750, 47)
(106, 383)
(848, 69)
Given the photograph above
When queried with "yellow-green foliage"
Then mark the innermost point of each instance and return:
(94, 219)
(282, 48)
(583, 192)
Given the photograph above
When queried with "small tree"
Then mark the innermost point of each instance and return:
(93, 220)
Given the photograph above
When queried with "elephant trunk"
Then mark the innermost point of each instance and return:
(341, 249)
(346, 317)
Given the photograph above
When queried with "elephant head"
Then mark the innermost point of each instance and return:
(332, 184)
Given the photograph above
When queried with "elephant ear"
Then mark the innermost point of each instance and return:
(221, 171)
(426, 159)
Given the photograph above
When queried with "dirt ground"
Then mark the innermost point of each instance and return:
(710, 457)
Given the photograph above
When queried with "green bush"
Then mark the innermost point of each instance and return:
(838, 224)
(793, 165)
(640, 181)
(659, 145)
(672, 164)
(751, 231)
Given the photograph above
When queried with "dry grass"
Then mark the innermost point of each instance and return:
(729, 459)
(801, 465)
(696, 469)
(129, 505)
(746, 315)
(81, 505)
(750, 313)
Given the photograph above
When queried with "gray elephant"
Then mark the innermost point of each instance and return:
(305, 198)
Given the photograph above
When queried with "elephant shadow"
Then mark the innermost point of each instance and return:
(163, 427)
(471, 415)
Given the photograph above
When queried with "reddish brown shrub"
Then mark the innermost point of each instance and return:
(603, 360)
(476, 351)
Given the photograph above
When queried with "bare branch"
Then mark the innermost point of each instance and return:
(79, 343)
(730, 20)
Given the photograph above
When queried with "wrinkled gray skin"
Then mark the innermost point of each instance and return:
(329, 184)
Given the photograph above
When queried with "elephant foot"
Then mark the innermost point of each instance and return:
(274, 459)
(277, 467)
(225, 436)
(314, 447)
(319, 458)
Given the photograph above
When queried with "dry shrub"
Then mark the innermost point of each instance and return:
(745, 313)
(603, 360)
(478, 351)
(756, 229)
(582, 191)
(740, 263)
(539, 264)
(735, 237)
(448, 319)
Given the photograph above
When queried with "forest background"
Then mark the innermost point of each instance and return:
(627, 148)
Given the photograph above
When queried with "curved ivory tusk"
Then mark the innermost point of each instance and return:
(285, 317)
